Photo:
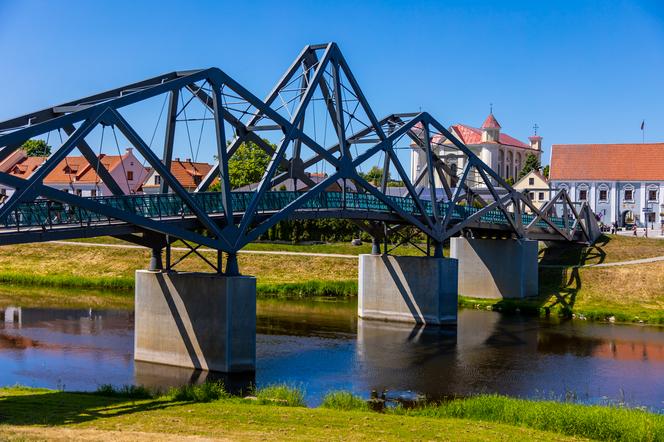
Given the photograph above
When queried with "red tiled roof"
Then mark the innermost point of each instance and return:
(71, 169)
(490, 122)
(611, 162)
(473, 135)
(188, 173)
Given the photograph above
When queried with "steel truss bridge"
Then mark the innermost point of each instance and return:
(318, 94)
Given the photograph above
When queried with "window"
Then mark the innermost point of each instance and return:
(603, 195)
(93, 192)
(532, 196)
(541, 196)
(531, 181)
(3, 191)
(197, 179)
(652, 194)
(583, 194)
(157, 178)
(629, 194)
(130, 175)
(79, 192)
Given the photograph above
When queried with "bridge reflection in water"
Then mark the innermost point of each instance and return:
(323, 346)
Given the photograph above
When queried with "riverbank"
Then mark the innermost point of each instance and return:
(570, 283)
(277, 413)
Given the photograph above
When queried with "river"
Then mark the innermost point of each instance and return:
(322, 346)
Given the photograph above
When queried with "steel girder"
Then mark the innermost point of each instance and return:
(320, 73)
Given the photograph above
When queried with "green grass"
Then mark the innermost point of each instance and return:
(594, 422)
(344, 400)
(125, 391)
(308, 289)
(69, 281)
(281, 394)
(205, 392)
(278, 414)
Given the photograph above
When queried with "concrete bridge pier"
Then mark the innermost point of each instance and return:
(496, 268)
(413, 289)
(195, 320)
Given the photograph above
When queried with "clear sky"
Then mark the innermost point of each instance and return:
(584, 71)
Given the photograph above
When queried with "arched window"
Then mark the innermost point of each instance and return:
(628, 193)
(653, 193)
(508, 164)
(517, 165)
(582, 192)
(602, 193)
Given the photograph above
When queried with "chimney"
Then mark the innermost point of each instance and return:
(535, 142)
(129, 150)
(176, 159)
(187, 160)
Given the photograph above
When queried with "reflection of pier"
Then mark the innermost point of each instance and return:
(13, 315)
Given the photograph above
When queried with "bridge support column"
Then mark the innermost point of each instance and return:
(408, 289)
(496, 268)
(196, 320)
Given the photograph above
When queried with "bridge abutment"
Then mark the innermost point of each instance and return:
(408, 289)
(196, 320)
(493, 268)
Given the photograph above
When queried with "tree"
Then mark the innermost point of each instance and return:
(36, 148)
(248, 164)
(375, 175)
(531, 163)
(545, 171)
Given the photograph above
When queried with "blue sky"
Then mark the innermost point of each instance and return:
(583, 71)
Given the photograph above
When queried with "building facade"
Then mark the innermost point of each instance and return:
(537, 186)
(618, 181)
(502, 152)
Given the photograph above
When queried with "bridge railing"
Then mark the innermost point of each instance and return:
(43, 213)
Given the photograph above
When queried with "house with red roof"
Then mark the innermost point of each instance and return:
(188, 173)
(502, 152)
(618, 181)
(75, 175)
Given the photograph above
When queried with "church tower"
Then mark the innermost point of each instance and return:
(490, 130)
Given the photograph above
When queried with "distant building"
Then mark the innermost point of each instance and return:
(188, 173)
(502, 152)
(75, 175)
(617, 180)
(537, 187)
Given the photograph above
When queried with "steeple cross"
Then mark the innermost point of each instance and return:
(535, 127)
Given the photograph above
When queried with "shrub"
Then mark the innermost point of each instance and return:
(125, 391)
(205, 392)
(344, 400)
(281, 394)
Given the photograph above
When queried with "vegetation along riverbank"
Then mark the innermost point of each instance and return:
(570, 282)
(278, 412)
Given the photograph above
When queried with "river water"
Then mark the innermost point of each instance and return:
(322, 346)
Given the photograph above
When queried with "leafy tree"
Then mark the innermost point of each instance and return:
(36, 148)
(510, 181)
(545, 171)
(374, 175)
(531, 163)
(248, 164)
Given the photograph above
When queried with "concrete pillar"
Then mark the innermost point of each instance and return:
(196, 320)
(408, 289)
(496, 268)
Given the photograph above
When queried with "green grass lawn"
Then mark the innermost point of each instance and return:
(32, 414)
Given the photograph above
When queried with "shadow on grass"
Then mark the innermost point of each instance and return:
(61, 408)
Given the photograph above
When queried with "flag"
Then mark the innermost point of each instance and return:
(643, 124)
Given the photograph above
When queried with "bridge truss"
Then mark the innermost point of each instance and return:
(316, 100)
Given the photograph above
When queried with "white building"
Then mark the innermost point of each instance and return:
(537, 187)
(617, 180)
(502, 152)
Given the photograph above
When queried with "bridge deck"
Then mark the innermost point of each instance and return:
(51, 215)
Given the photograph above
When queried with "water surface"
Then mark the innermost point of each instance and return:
(322, 346)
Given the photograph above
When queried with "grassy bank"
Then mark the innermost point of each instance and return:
(277, 413)
(630, 293)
